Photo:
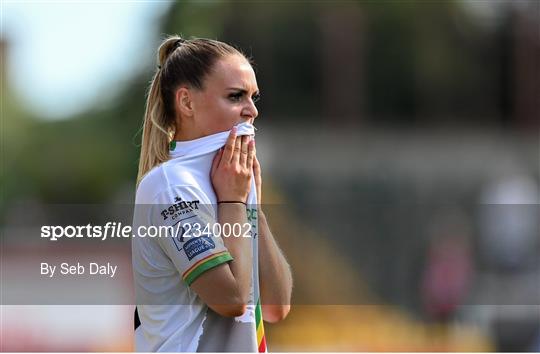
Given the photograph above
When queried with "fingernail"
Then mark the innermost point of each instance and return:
(234, 129)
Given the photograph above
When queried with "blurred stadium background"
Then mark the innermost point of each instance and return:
(399, 142)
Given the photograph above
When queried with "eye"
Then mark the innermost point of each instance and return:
(256, 98)
(235, 97)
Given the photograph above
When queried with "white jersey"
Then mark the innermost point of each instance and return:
(173, 318)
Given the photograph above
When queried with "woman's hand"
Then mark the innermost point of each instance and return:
(232, 168)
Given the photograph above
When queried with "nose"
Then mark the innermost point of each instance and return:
(250, 111)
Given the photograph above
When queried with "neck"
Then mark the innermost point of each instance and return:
(187, 131)
(187, 135)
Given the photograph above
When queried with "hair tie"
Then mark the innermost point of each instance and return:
(179, 42)
(231, 202)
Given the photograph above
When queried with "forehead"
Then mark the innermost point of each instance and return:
(233, 71)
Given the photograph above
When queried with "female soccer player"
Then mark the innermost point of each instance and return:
(208, 283)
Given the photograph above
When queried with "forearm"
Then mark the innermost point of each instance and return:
(240, 248)
(274, 271)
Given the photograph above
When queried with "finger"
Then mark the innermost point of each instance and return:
(237, 147)
(256, 165)
(250, 155)
(257, 174)
(216, 161)
(229, 146)
(244, 150)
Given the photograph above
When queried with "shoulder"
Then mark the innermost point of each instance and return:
(165, 179)
(151, 185)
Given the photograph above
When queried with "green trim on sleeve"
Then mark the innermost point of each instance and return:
(203, 267)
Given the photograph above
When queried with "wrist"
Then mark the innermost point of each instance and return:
(233, 197)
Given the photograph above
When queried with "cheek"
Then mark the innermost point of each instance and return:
(225, 110)
(221, 115)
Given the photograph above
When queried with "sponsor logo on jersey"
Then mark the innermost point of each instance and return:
(179, 208)
(251, 214)
(198, 245)
(178, 238)
(252, 219)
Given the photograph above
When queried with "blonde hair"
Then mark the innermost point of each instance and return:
(180, 61)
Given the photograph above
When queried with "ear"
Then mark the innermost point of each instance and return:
(184, 101)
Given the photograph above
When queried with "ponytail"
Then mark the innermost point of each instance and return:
(155, 137)
(158, 126)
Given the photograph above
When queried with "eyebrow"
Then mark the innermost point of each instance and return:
(242, 90)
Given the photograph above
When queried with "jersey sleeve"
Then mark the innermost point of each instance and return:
(190, 242)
